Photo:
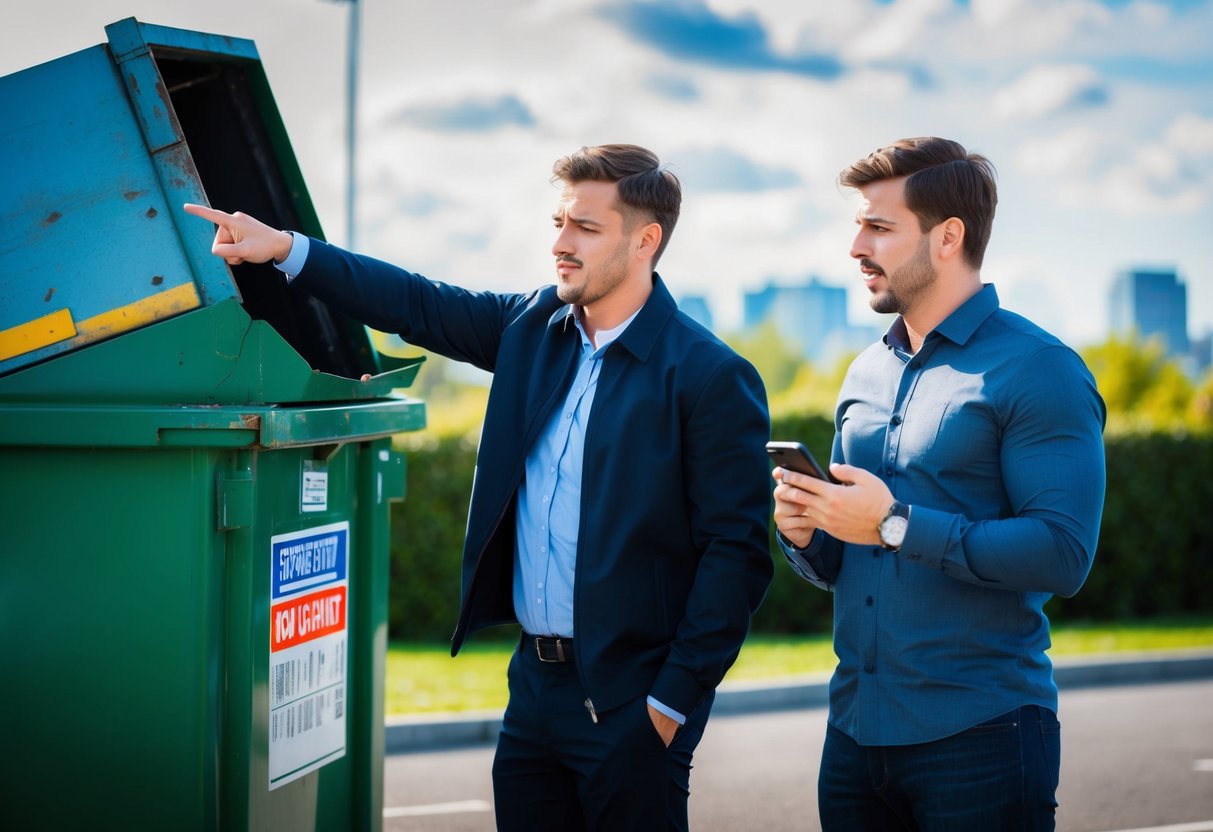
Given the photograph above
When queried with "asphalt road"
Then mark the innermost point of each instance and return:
(1133, 758)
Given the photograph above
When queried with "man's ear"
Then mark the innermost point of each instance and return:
(648, 240)
(950, 238)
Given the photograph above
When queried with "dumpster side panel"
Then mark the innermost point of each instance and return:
(111, 616)
(323, 798)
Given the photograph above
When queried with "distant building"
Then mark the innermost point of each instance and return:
(1202, 352)
(810, 317)
(697, 307)
(1154, 304)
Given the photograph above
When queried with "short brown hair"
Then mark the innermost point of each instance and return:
(942, 180)
(645, 187)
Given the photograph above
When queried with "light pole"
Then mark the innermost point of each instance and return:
(351, 119)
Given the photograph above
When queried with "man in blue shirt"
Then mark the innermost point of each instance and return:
(620, 505)
(969, 447)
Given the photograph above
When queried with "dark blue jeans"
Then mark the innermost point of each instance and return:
(1000, 775)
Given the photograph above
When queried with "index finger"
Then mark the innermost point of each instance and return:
(215, 216)
(804, 482)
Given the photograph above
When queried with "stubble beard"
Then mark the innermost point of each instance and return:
(598, 283)
(907, 284)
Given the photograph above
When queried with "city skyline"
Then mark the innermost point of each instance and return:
(1098, 115)
(1143, 303)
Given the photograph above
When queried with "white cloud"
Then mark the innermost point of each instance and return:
(1068, 154)
(1168, 175)
(1191, 134)
(1034, 26)
(896, 28)
(1044, 90)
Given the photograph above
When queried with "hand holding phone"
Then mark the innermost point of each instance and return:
(796, 457)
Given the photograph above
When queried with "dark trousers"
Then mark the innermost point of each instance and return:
(1000, 775)
(556, 769)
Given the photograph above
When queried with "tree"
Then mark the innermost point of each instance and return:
(1146, 390)
(765, 349)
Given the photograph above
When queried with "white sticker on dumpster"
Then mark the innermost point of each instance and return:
(309, 586)
(314, 486)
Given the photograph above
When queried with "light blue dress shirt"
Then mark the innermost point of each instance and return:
(992, 433)
(549, 502)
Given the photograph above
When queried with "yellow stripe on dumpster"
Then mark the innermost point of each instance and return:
(35, 334)
(160, 305)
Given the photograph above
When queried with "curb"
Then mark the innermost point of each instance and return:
(430, 731)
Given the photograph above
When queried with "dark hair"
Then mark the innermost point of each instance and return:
(942, 180)
(645, 188)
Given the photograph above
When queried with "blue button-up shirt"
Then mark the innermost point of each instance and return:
(992, 433)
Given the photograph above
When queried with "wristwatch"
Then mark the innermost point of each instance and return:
(893, 526)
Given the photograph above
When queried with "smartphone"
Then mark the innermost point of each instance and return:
(796, 457)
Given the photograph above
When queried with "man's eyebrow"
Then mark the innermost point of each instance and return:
(559, 217)
(874, 220)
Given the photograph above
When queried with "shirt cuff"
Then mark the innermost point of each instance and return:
(802, 560)
(294, 262)
(927, 536)
(668, 711)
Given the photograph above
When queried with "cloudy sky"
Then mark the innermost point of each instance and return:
(1098, 115)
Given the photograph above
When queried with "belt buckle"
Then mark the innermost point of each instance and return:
(559, 651)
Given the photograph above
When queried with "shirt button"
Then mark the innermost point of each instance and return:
(896, 420)
(539, 585)
(876, 553)
(869, 668)
(868, 600)
(552, 470)
(538, 600)
(568, 415)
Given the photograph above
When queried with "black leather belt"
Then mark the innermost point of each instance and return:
(550, 648)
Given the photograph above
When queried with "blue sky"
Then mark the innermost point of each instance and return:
(1097, 115)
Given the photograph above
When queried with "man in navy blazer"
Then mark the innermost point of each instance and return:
(619, 510)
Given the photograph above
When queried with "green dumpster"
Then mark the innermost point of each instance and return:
(195, 484)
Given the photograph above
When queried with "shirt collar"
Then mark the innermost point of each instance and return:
(605, 336)
(961, 324)
(957, 327)
(642, 328)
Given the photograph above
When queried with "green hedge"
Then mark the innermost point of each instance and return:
(427, 541)
(1155, 551)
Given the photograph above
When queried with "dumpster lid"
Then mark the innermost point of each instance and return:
(94, 166)
(101, 148)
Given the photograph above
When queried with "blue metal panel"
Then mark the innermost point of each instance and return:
(84, 223)
(129, 46)
(129, 35)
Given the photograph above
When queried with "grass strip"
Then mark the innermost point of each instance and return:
(423, 678)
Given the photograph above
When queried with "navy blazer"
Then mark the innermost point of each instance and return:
(672, 556)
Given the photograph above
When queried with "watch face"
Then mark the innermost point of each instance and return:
(893, 531)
